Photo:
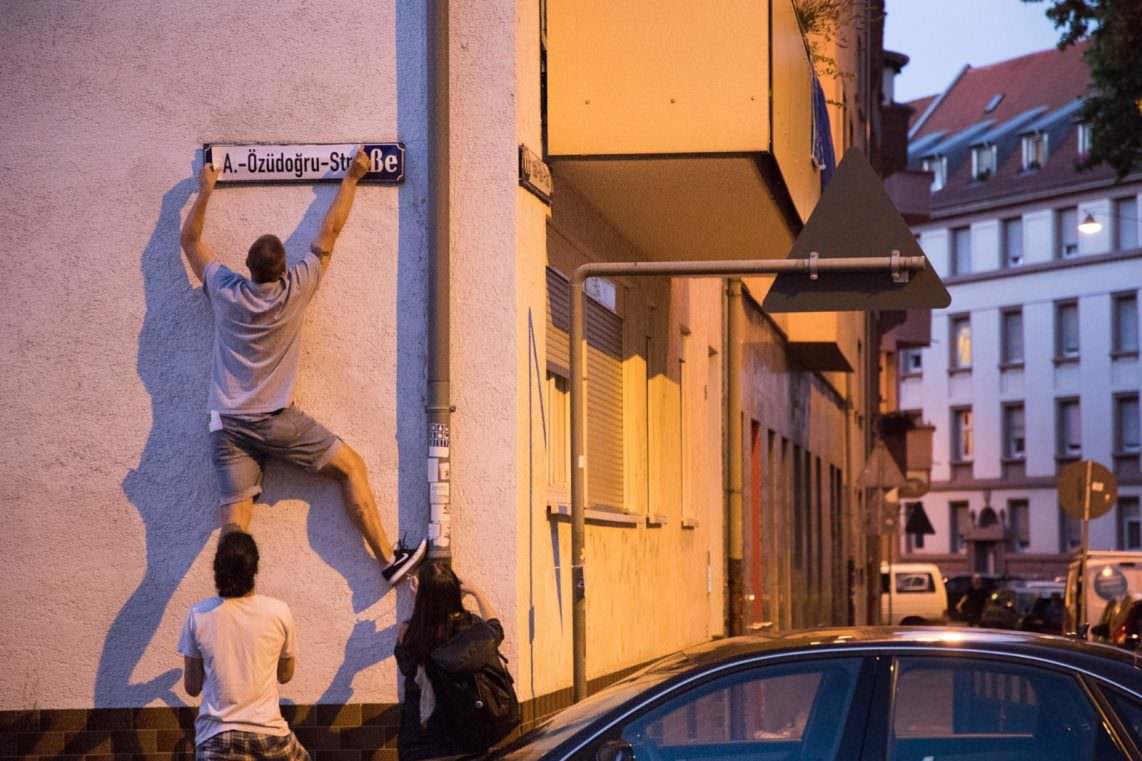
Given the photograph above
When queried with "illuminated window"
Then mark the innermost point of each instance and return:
(961, 343)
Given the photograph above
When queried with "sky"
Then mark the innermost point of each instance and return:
(940, 36)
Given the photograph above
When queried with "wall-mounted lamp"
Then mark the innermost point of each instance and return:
(1090, 225)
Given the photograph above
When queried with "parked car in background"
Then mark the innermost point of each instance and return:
(1121, 623)
(1045, 616)
(913, 694)
(912, 594)
(1013, 606)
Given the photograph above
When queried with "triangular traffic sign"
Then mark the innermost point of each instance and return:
(854, 218)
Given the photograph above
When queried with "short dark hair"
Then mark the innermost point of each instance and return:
(266, 259)
(235, 564)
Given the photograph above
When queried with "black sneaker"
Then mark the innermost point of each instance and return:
(404, 560)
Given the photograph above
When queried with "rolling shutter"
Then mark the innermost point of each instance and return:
(604, 331)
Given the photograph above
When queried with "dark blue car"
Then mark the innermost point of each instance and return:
(931, 694)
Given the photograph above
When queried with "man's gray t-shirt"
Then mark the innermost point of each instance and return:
(257, 336)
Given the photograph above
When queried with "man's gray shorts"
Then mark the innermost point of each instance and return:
(240, 449)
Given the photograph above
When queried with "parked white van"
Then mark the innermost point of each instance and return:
(1110, 574)
(915, 594)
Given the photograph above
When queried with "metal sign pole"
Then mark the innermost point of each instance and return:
(900, 268)
(1083, 561)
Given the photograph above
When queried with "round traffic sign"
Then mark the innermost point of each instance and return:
(1079, 479)
(1109, 582)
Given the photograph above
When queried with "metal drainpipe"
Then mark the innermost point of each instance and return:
(578, 490)
(734, 543)
(439, 405)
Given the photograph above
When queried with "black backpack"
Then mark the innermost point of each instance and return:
(475, 694)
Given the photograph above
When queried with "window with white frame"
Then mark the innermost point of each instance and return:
(938, 166)
(960, 520)
(1126, 223)
(1129, 524)
(963, 444)
(1066, 330)
(961, 250)
(1011, 337)
(1034, 151)
(1019, 518)
(1013, 242)
(1014, 436)
(1126, 424)
(1067, 232)
(960, 328)
(982, 162)
(1069, 429)
(1083, 137)
(1125, 329)
(911, 362)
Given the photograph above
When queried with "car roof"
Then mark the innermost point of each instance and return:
(1066, 650)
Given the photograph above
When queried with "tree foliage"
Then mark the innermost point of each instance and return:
(1113, 105)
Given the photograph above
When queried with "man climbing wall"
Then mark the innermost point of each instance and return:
(257, 342)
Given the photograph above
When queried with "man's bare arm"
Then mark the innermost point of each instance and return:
(198, 252)
(338, 213)
(285, 669)
(193, 675)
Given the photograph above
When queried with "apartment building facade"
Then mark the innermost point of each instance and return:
(1036, 363)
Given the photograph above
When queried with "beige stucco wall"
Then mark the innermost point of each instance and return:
(106, 485)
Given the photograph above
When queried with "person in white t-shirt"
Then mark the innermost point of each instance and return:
(237, 647)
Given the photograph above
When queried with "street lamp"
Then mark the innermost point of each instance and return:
(1090, 225)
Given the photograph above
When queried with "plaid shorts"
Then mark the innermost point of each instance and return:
(234, 745)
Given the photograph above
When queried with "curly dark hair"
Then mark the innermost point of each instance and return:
(235, 564)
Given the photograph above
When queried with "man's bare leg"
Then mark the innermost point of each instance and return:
(236, 516)
(349, 469)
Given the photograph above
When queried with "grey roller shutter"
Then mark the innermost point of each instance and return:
(605, 386)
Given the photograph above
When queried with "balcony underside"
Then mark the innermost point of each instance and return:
(688, 207)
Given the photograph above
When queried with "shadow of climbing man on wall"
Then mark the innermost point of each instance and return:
(170, 485)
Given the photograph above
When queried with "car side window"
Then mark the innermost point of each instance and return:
(792, 710)
(980, 710)
(914, 582)
(1129, 710)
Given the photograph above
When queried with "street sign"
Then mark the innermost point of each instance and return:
(1110, 583)
(855, 218)
(880, 470)
(1073, 487)
(306, 163)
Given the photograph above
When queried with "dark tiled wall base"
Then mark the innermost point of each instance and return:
(356, 732)
(352, 732)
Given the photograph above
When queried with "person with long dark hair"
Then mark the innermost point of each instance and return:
(438, 615)
(237, 647)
